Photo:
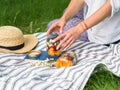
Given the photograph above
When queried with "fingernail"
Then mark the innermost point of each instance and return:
(60, 32)
(57, 48)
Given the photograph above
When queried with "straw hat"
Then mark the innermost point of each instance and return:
(12, 40)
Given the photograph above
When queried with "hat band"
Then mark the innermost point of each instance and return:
(13, 47)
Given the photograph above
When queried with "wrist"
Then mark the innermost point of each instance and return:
(64, 18)
(63, 21)
(81, 27)
(84, 25)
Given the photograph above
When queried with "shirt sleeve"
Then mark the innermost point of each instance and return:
(115, 6)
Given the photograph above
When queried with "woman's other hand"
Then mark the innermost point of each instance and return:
(57, 27)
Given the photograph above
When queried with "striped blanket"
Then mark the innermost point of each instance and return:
(16, 74)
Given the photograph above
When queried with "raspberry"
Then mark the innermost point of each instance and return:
(53, 46)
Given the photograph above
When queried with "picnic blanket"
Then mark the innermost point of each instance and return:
(16, 74)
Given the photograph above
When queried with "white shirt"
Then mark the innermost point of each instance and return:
(107, 31)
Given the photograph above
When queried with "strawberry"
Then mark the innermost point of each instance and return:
(69, 57)
(53, 46)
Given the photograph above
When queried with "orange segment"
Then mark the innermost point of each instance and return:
(63, 62)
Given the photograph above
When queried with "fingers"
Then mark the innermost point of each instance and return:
(67, 44)
(60, 37)
(50, 29)
(61, 30)
(57, 26)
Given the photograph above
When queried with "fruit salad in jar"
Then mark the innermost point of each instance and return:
(52, 46)
(67, 59)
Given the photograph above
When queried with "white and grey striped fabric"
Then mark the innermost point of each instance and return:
(16, 74)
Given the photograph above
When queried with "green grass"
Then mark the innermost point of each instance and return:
(30, 15)
(103, 80)
(33, 15)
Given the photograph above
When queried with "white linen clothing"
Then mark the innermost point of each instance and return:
(107, 31)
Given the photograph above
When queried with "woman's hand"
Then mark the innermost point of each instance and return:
(57, 27)
(69, 37)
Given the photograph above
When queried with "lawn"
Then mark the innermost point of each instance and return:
(32, 16)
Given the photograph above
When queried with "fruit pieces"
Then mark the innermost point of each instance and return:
(62, 62)
(66, 60)
(53, 52)
(51, 46)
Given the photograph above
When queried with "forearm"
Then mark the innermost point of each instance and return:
(98, 16)
(72, 9)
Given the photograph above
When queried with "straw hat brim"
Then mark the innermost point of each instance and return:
(30, 42)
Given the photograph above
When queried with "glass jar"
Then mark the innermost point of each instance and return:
(67, 59)
(52, 46)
